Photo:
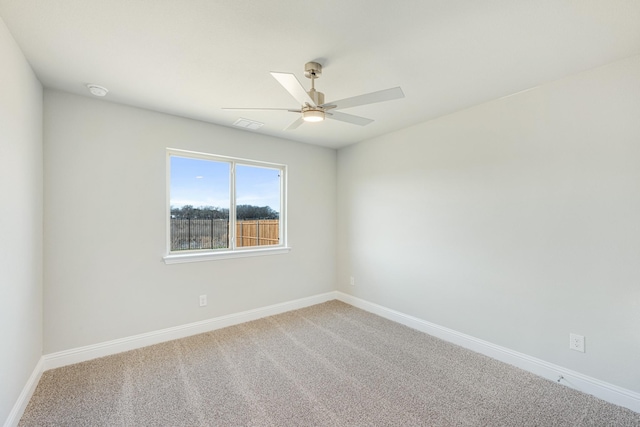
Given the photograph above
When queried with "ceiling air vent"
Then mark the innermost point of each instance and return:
(247, 124)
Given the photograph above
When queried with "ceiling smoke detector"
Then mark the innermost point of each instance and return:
(97, 90)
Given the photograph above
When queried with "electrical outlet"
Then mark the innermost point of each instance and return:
(352, 281)
(576, 342)
(203, 300)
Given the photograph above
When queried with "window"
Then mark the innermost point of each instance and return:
(223, 207)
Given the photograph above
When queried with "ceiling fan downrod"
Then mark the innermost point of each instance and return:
(313, 70)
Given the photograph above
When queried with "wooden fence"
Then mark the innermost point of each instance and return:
(257, 232)
(189, 234)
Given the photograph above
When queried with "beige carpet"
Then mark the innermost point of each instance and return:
(326, 365)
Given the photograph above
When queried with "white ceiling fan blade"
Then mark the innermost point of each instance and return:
(294, 87)
(262, 109)
(295, 124)
(368, 98)
(349, 118)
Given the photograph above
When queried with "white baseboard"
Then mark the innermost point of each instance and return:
(23, 400)
(81, 354)
(603, 390)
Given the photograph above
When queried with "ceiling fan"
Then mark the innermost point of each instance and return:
(312, 105)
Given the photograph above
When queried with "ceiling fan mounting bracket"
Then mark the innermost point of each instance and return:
(312, 70)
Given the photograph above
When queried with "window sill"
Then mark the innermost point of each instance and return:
(214, 256)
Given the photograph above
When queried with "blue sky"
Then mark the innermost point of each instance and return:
(200, 182)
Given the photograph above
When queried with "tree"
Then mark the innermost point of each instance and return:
(244, 212)
(203, 212)
(255, 212)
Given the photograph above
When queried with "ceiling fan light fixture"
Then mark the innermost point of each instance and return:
(312, 115)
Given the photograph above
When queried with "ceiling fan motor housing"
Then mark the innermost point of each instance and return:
(318, 97)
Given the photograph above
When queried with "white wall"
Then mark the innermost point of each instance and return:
(516, 221)
(105, 192)
(20, 221)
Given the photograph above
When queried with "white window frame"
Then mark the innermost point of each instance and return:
(174, 257)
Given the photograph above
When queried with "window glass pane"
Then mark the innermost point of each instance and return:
(199, 199)
(257, 206)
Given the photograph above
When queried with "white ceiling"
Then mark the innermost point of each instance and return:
(191, 58)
